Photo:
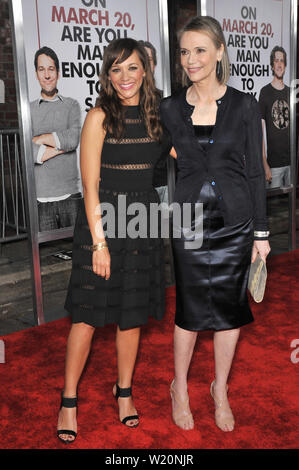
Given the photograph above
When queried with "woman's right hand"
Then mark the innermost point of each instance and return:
(101, 263)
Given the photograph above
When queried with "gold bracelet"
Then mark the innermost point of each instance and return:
(99, 246)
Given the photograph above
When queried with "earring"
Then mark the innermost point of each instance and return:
(218, 68)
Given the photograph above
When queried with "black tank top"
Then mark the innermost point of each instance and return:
(203, 134)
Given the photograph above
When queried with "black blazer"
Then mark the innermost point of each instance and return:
(233, 160)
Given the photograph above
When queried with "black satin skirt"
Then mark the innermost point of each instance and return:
(211, 281)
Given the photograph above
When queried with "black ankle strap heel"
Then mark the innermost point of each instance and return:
(67, 403)
(125, 393)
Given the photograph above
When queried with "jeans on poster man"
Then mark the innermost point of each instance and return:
(58, 214)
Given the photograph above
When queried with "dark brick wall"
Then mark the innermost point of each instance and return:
(8, 110)
(179, 13)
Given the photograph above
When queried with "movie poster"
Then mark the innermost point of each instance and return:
(252, 29)
(258, 41)
(77, 33)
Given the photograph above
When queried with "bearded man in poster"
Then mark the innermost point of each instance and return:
(56, 130)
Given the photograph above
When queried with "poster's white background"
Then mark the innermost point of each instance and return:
(136, 19)
(268, 25)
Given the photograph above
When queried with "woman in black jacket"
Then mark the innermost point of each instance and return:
(217, 138)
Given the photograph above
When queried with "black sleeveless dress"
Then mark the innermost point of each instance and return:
(136, 286)
(211, 280)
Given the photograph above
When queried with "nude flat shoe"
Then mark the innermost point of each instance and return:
(223, 419)
(182, 416)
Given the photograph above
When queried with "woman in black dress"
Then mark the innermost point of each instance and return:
(217, 136)
(117, 272)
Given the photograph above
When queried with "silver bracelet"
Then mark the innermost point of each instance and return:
(261, 234)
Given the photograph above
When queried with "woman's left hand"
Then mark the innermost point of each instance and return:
(262, 248)
(173, 153)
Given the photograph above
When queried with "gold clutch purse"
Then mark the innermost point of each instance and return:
(257, 279)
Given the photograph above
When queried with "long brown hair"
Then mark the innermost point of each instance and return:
(117, 52)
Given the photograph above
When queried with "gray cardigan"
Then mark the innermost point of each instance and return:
(58, 175)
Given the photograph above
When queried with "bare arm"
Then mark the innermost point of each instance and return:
(92, 139)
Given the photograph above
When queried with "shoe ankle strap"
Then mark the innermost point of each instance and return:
(123, 392)
(68, 402)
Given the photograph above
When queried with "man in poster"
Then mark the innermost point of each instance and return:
(56, 130)
(274, 102)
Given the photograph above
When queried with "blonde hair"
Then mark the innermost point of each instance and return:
(212, 27)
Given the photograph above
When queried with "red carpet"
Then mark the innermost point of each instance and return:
(264, 382)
